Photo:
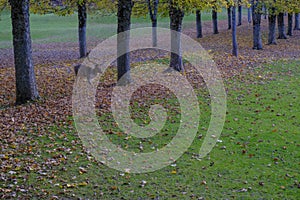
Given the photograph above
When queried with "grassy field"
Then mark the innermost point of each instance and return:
(257, 156)
(51, 28)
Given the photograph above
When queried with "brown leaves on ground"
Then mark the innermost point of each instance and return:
(55, 78)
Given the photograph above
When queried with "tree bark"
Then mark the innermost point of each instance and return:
(281, 27)
(290, 24)
(272, 29)
(82, 22)
(249, 15)
(229, 17)
(176, 17)
(297, 21)
(240, 11)
(153, 17)
(26, 89)
(256, 17)
(234, 36)
(124, 22)
(215, 21)
(199, 24)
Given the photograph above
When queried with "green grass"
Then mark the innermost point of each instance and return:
(51, 28)
(258, 157)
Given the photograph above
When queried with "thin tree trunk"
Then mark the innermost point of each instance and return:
(215, 22)
(82, 21)
(297, 21)
(272, 29)
(281, 27)
(249, 15)
(124, 22)
(176, 17)
(290, 24)
(153, 17)
(234, 36)
(199, 24)
(256, 17)
(26, 89)
(265, 11)
(240, 10)
(229, 17)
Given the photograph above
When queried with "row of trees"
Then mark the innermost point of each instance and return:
(176, 9)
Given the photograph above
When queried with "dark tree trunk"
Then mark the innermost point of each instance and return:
(234, 37)
(249, 15)
(26, 89)
(229, 17)
(290, 24)
(215, 22)
(272, 29)
(240, 11)
(256, 17)
(124, 22)
(82, 21)
(297, 21)
(176, 17)
(281, 27)
(153, 16)
(199, 24)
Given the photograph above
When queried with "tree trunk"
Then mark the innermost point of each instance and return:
(153, 17)
(124, 22)
(229, 17)
(249, 15)
(256, 17)
(240, 11)
(272, 29)
(281, 27)
(290, 24)
(82, 21)
(26, 89)
(199, 24)
(297, 21)
(234, 37)
(176, 17)
(264, 8)
(215, 22)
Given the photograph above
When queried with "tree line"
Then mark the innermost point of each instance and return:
(26, 88)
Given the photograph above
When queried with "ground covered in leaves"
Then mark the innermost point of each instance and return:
(257, 156)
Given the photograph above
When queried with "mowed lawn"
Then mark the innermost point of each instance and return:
(52, 28)
(256, 157)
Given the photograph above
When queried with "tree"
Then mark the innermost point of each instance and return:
(272, 27)
(124, 23)
(153, 9)
(148, 7)
(199, 6)
(229, 17)
(26, 88)
(297, 21)
(215, 21)
(199, 24)
(281, 26)
(249, 12)
(234, 35)
(82, 23)
(240, 10)
(256, 17)
(290, 24)
(67, 7)
(176, 16)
